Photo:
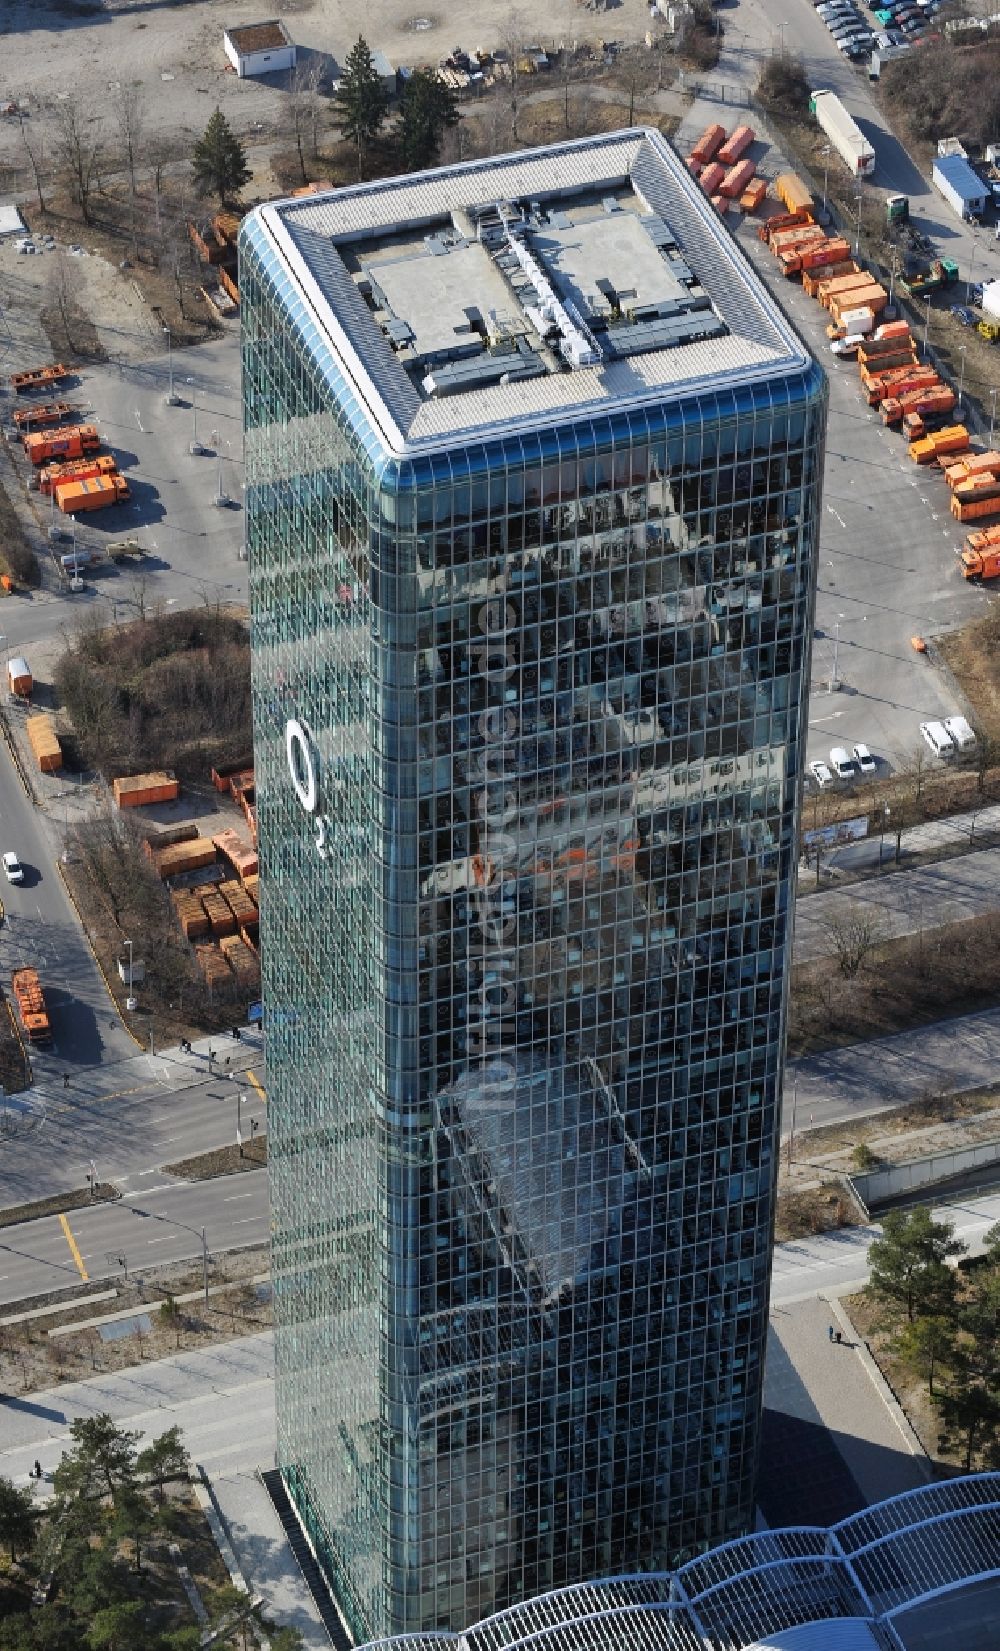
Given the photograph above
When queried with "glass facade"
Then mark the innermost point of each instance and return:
(529, 716)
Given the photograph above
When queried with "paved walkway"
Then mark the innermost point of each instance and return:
(834, 1439)
(958, 830)
(903, 903)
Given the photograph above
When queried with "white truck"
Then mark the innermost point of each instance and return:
(847, 138)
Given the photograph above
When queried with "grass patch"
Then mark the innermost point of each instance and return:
(17, 559)
(58, 1204)
(815, 1210)
(973, 657)
(222, 1161)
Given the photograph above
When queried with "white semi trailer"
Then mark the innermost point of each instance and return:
(846, 137)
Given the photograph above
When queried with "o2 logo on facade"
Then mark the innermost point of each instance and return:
(304, 769)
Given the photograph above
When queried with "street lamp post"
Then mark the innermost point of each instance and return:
(834, 680)
(222, 499)
(972, 265)
(961, 377)
(859, 197)
(130, 1001)
(240, 1098)
(893, 272)
(826, 173)
(194, 446)
(884, 816)
(170, 398)
(927, 325)
(795, 1098)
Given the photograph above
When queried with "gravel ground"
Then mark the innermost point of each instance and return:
(175, 50)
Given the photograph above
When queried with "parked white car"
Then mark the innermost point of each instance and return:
(842, 763)
(961, 732)
(864, 759)
(937, 738)
(821, 774)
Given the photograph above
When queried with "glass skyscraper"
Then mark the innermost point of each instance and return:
(533, 469)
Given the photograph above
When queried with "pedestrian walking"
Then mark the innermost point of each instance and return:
(38, 1469)
(65, 1080)
(839, 1337)
(829, 1331)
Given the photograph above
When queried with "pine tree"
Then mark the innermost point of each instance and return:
(219, 161)
(427, 109)
(362, 101)
(19, 1518)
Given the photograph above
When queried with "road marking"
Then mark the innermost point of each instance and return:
(144, 1192)
(247, 1220)
(74, 1249)
(253, 1078)
(160, 1240)
(235, 1197)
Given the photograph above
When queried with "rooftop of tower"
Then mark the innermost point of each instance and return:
(530, 287)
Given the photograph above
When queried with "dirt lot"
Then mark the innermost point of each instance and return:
(175, 50)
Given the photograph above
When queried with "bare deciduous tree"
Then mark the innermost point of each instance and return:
(34, 147)
(856, 936)
(129, 113)
(60, 288)
(77, 149)
(303, 110)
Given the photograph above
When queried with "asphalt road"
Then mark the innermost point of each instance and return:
(153, 1225)
(901, 902)
(129, 1118)
(41, 929)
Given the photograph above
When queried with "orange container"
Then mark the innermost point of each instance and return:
(736, 179)
(96, 494)
(754, 193)
(710, 141)
(736, 146)
(44, 743)
(135, 790)
(711, 178)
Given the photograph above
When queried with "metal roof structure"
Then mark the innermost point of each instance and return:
(960, 175)
(521, 289)
(851, 1587)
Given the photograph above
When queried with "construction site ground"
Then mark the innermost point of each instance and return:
(176, 52)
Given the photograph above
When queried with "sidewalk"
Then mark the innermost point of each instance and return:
(957, 831)
(265, 1558)
(834, 1439)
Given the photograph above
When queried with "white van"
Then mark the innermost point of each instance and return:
(937, 737)
(961, 732)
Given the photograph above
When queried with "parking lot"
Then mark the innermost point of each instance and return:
(888, 565)
(193, 546)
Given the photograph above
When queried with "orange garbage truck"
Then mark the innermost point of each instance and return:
(31, 1009)
(76, 470)
(981, 556)
(66, 441)
(95, 494)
